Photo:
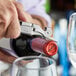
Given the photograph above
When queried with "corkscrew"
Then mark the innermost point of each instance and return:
(31, 35)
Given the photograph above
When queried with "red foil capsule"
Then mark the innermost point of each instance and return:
(44, 46)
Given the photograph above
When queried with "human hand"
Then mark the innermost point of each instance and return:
(10, 13)
(8, 58)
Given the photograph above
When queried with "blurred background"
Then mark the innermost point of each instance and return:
(60, 11)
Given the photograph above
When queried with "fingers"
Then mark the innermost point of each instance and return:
(4, 21)
(20, 11)
(24, 16)
(10, 14)
(40, 21)
(13, 30)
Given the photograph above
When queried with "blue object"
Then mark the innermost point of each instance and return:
(62, 50)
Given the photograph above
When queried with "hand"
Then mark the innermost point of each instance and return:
(10, 13)
(6, 57)
(40, 21)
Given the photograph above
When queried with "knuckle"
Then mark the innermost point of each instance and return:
(12, 10)
(3, 21)
(19, 5)
(16, 35)
(5, 17)
(13, 35)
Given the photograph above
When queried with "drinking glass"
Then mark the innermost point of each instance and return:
(71, 39)
(34, 66)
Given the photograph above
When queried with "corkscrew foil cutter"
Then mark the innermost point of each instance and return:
(27, 29)
(33, 29)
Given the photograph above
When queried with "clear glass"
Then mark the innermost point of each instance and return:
(71, 39)
(34, 66)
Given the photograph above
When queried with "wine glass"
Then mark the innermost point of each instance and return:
(71, 39)
(34, 66)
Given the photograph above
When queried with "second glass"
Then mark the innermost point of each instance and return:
(71, 39)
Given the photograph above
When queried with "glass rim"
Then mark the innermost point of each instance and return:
(36, 57)
(73, 14)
